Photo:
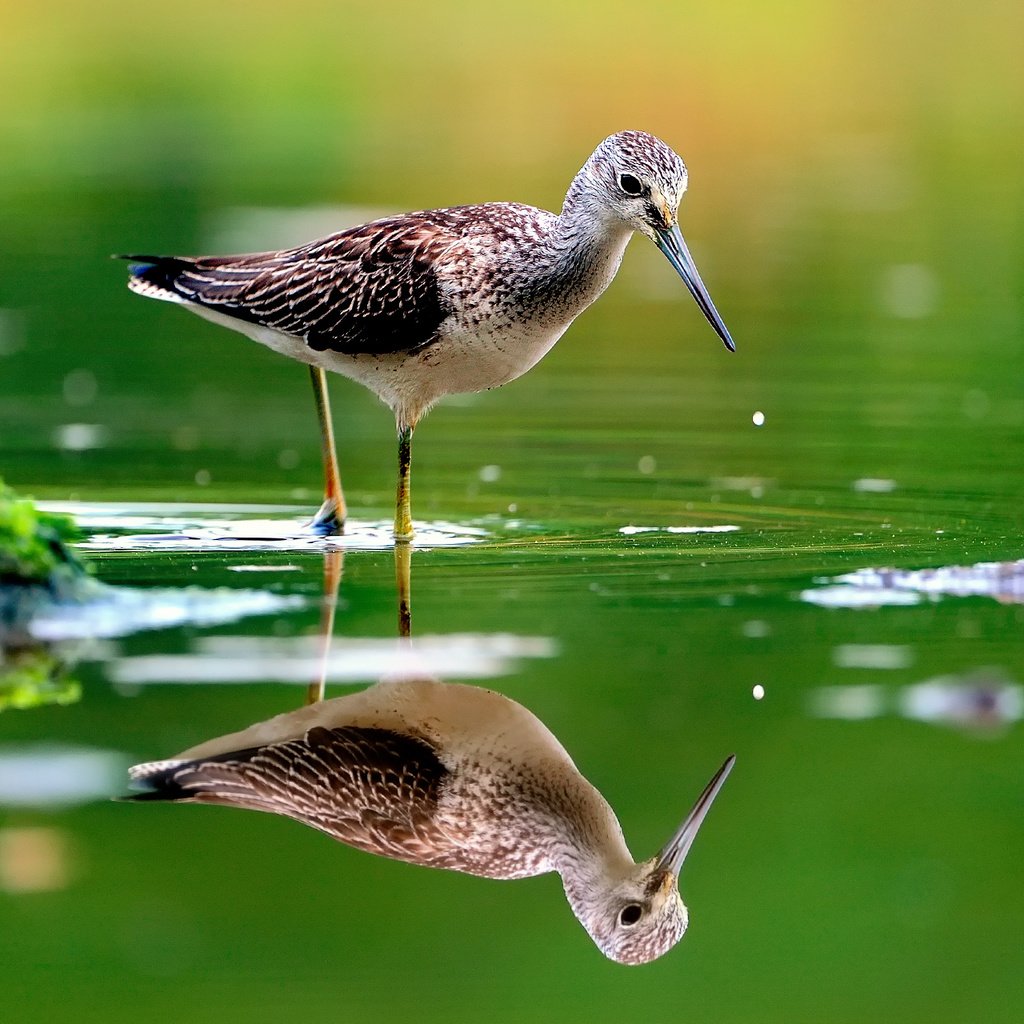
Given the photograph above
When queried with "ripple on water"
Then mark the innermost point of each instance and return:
(117, 527)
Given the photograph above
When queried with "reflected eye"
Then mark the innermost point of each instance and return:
(630, 185)
(629, 915)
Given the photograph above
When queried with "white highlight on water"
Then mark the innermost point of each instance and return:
(874, 485)
(630, 531)
(875, 656)
(246, 659)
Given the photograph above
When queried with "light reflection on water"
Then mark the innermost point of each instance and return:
(246, 659)
(35, 858)
(121, 611)
(58, 775)
(984, 702)
(631, 531)
(866, 588)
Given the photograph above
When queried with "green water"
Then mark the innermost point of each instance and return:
(855, 212)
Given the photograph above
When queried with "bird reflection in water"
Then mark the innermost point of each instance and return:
(448, 776)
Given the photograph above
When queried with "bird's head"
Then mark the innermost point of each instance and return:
(641, 917)
(639, 180)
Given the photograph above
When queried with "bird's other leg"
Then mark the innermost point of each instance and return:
(334, 562)
(403, 512)
(330, 520)
(403, 580)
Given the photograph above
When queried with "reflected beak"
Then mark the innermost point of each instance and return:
(670, 242)
(672, 856)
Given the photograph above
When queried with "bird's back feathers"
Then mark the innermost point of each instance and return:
(373, 789)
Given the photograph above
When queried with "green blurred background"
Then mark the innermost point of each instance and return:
(855, 208)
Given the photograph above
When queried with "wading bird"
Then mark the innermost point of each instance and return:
(428, 304)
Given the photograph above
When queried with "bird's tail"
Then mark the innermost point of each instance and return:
(217, 779)
(158, 780)
(157, 277)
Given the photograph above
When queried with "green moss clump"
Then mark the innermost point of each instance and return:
(35, 678)
(34, 544)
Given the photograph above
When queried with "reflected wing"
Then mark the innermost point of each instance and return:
(370, 788)
(372, 289)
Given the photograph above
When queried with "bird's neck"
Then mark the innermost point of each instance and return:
(588, 882)
(583, 251)
(592, 854)
(587, 234)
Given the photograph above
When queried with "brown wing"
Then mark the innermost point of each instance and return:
(372, 289)
(373, 789)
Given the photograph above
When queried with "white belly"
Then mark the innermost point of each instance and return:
(463, 360)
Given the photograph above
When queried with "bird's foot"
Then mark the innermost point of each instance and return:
(329, 520)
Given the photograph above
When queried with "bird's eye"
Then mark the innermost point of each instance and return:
(631, 185)
(629, 915)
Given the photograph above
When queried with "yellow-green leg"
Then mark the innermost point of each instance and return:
(403, 512)
(330, 520)
(403, 579)
(334, 562)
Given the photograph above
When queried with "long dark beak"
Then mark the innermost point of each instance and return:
(670, 242)
(672, 856)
